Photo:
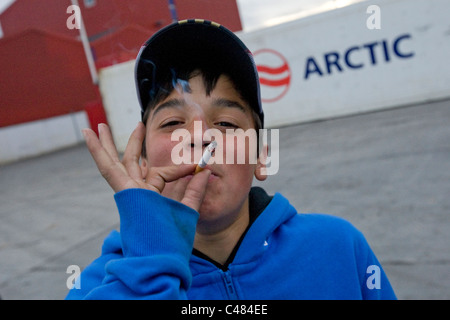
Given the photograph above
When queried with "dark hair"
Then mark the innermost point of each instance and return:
(210, 75)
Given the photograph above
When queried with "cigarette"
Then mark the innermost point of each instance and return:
(205, 157)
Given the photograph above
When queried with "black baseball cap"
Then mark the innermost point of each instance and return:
(196, 42)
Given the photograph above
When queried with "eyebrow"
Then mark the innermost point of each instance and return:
(222, 102)
(172, 103)
(218, 102)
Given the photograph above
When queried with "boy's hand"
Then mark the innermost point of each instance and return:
(127, 174)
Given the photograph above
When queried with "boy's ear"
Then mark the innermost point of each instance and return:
(260, 172)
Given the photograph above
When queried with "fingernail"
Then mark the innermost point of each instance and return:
(84, 132)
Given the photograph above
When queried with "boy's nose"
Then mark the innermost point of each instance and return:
(197, 131)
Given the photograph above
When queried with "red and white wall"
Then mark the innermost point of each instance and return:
(329, 65)
(36, 137)
(46, 92)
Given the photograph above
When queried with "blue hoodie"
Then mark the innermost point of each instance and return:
(282, 255)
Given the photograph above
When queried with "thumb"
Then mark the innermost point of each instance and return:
(196, 190)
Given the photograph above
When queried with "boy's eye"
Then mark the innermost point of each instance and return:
(171, 123)
(226, 124)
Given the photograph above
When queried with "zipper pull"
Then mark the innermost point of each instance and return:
(229, 285)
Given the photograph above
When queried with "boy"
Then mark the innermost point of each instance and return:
(211, 235)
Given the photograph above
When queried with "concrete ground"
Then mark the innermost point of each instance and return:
(386, 172)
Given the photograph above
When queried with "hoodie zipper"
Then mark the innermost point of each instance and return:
(230, 289)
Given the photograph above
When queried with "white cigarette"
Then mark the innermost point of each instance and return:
(206, 156)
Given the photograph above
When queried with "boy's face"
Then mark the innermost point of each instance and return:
(229, 184)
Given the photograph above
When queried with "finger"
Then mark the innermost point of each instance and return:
(107, 141)
(111, 170)
(95, 147)
(175, 189)
(159, 176)
(132, 152)
(196, 190)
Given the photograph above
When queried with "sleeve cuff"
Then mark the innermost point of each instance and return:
(151, 224)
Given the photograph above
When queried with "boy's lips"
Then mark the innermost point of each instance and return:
(213, 176)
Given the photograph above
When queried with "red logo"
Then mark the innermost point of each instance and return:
(274, 74)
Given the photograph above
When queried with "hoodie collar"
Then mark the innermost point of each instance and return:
(257, 239)
(266, 214)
